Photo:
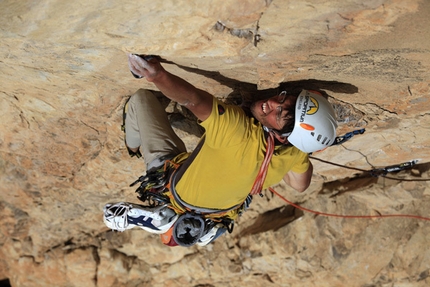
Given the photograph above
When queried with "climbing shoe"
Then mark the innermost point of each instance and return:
(212, 234)
(124, 215)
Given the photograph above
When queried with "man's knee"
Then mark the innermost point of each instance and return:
(144, 97)
(142, 93)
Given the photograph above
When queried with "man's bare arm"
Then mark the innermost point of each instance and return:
(199, 102)
(299, 181)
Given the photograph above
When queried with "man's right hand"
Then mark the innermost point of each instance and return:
(148, 69)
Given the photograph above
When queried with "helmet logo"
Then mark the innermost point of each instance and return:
(313, 106)
(310, 107)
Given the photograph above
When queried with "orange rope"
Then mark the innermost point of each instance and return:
(347, 216)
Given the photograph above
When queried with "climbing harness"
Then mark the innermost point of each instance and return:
(152, 186)
(157, 187)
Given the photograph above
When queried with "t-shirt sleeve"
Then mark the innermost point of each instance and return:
(302, 162)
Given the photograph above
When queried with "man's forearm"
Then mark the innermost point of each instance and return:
(179, 90)
(197, 101)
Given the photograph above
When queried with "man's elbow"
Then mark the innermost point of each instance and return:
(299, 184)
(303, 187)
(302, 183)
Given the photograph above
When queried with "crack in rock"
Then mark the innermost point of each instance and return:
(250, 34)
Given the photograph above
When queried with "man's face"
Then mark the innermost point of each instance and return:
(267, 111)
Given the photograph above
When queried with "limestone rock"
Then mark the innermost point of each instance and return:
(64, 80)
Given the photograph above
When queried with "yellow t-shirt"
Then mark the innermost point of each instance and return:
(224, 171)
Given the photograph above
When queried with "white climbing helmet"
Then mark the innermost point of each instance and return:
(315, 123)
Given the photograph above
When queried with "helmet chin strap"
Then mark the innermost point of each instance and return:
(281, 137)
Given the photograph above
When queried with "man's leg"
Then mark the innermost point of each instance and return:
(147, 126)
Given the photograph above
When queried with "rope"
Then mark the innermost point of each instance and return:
(375, 172)
(337, 164)
(348, 216)
(261, 176)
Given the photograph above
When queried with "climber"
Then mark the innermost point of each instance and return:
(238, 156)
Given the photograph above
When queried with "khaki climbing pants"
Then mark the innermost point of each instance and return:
(148, 127)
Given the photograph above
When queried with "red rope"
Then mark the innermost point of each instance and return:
(261, 176)
(347, 216)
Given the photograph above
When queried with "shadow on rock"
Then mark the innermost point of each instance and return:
(243, 93)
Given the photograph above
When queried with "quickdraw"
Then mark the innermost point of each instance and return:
(378, 171)
(392, 168)
(154, 185)
(347, 136)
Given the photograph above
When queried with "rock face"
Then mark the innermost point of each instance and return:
(64, 79)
